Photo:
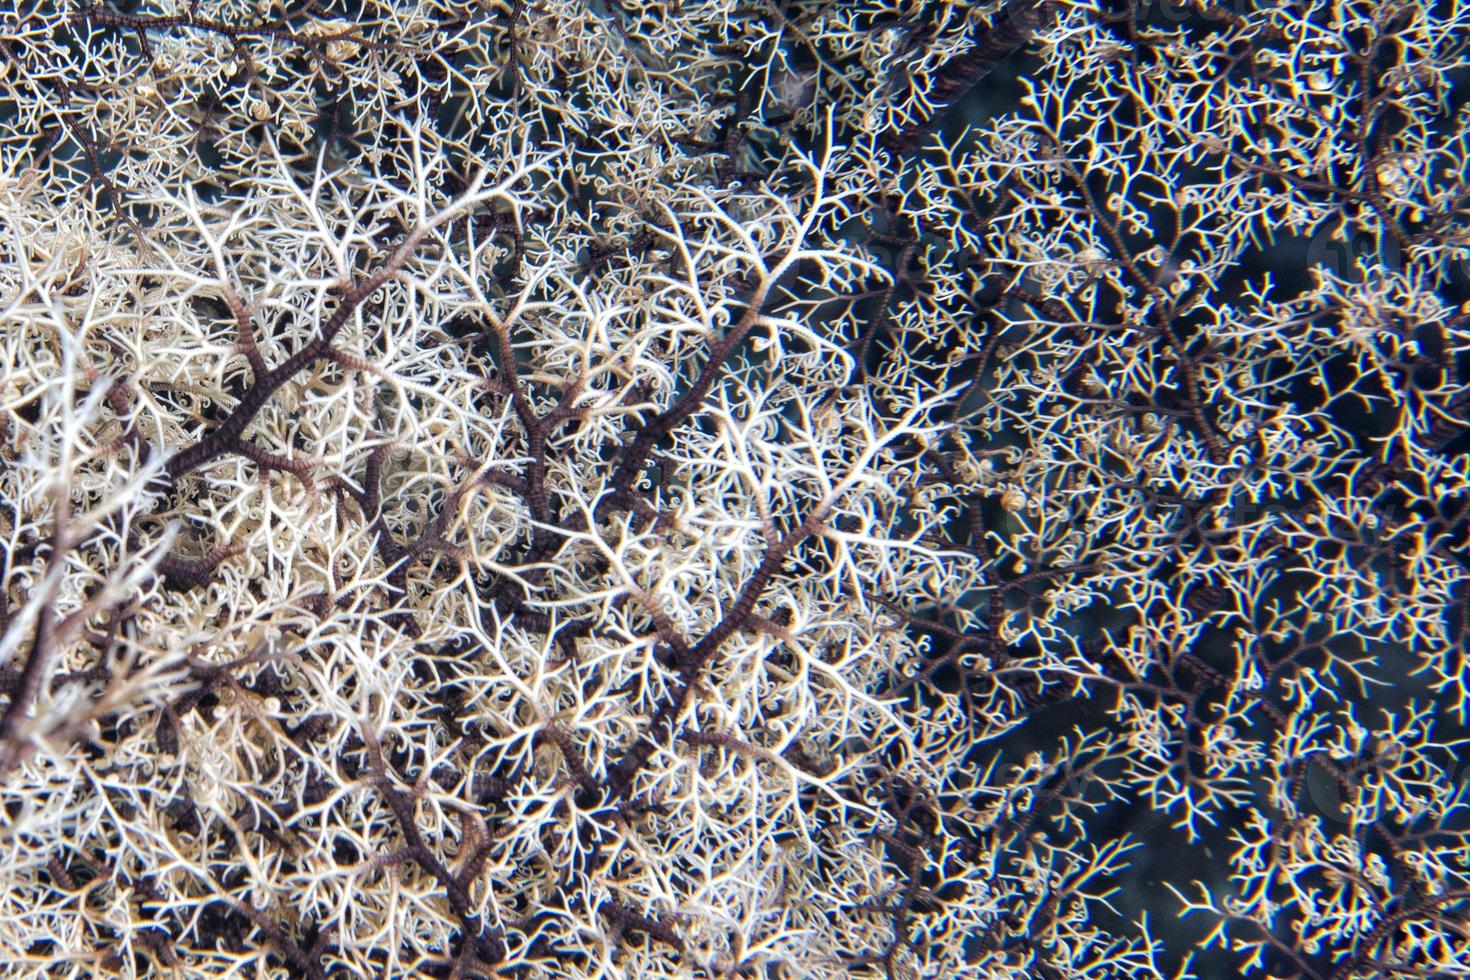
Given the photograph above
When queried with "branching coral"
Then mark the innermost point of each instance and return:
(565, 489)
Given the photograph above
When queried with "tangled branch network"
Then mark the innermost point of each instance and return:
(696, 488)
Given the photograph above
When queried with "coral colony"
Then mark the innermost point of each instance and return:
(735, 488)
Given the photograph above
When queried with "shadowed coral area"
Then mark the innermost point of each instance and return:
(696, 488)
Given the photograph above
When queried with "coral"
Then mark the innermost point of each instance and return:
(675, 488)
